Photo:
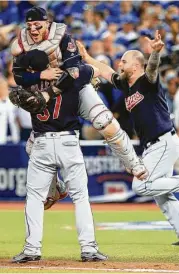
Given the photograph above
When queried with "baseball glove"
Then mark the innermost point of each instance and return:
(58, 191)
(33, 102)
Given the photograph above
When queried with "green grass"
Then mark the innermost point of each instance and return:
(121, 246)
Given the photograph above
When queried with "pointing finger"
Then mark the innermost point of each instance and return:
(156, 34)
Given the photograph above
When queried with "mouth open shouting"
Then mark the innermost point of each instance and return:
(37, 30)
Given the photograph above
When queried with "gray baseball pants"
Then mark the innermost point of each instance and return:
(48, 154)
(159, 160)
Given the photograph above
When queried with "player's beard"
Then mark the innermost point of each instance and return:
(128, 75)
(122, 73)
(125, 75)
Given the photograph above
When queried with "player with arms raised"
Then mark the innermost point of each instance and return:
(146, 102)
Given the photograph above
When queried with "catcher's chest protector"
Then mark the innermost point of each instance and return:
(50, 46)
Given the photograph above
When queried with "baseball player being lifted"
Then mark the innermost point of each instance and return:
(146, 102)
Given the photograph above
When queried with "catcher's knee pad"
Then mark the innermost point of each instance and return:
(100, 116)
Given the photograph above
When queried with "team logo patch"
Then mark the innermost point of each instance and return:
(71, 46)
(74, 72)
(133, 100)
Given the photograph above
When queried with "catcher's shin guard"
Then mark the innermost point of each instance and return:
(121, 146)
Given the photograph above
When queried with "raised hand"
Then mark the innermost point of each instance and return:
(82, 50)
(156, 44)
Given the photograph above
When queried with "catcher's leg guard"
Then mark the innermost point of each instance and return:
(58, 190)
(116, 138)
(121, 146)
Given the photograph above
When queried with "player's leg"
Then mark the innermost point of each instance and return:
(159, 160)
(39, 177)
(38, 182)
(169, 205)
(74, 174)
(102, 120)
(58, 189)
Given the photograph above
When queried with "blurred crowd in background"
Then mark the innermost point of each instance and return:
(108, 29)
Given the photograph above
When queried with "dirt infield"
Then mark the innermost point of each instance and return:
(95, 207)
(80, 266)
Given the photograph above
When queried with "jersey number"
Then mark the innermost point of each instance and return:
(46, 115)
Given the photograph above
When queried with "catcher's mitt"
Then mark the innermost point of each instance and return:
(57, 192)
(31, 101)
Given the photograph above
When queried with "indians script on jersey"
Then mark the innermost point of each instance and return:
(133, 100)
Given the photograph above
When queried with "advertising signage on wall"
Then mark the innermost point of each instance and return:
(107, 179)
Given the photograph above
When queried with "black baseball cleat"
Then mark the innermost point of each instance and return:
(93, 257)
(24, 258)
(176, 243)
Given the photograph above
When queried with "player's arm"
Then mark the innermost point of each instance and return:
(71, 62)
(104, 70)
(154, 60)
(22, 77)
(71, 57)
(27, 78)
